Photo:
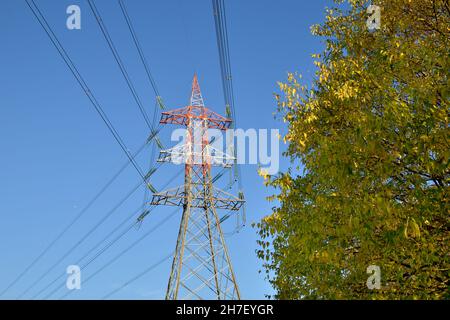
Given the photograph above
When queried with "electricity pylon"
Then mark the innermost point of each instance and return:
(201, 267)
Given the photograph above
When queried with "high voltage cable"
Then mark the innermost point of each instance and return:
(119, 62)
(158, 142)
(44, 24)
(223, 70)
(86, 235)
(135, 212)
(99, 253)
(123, 70)
(140, 219)
(225, 67)
(159, 101)
(85, 255)
(143, 59)
(141, 274)
(49, 31)
(104, 239)
(74, 220)
(221, 28)
(115, 258)
(146, 198)
(141, 54)
(224, 54)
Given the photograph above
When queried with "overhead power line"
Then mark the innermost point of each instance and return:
(139, 275)
(120, 254)
(74, 220)
(141, 54)
(119, 62)
(44, 24)
(137, 222)
(151, 124)
(73, 69)
(79, 242)
(63, 274)
(224, 56)
(98, 254)
(221, 28)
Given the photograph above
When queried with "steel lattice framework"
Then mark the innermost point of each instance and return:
(201, 267)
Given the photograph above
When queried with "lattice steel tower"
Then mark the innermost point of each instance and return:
(201, 267)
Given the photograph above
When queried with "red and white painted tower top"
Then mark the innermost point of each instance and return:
(196, 95)
(195, 110)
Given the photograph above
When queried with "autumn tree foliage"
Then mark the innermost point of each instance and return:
(369, 146)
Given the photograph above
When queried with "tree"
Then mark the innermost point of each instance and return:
(369, 150)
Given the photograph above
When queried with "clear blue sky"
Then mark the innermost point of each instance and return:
(56, 153)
